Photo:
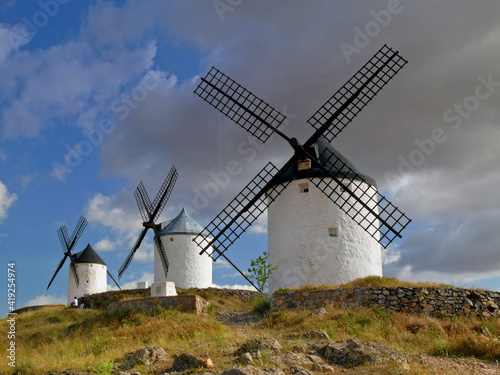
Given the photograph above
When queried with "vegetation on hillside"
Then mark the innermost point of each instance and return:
(56, 338)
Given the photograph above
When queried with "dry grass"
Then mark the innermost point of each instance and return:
(374, 282)
(58, 338)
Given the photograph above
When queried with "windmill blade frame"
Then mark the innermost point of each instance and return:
(240, 213)
(67, 244)
(164, 193)
(61, 263)
(131, 254)
(162, 253)
(237, 103)
(77, 232)
(150, 211)
(112, 278)
(359, 200)
(143, 202)
(355, 94)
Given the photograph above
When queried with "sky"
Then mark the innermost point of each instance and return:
(97, 96)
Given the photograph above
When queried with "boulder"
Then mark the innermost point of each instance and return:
(263, 343)
(150, 355)
(185, 362)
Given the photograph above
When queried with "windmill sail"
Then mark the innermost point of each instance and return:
(355, 94)
(365, 207)
(240, 213)
(150, 211)
(240, 105)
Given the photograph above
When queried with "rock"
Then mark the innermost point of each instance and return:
(319, 312)
(296, 370)
(350, 353)
(186, 362)
(150, 355)
(323, 368)
(320, 334)
(300, 348)
(256, 355)
(247, 370)
(244, 359)
(249, 357)
(316, 359)
(128, 373)
(263, 343)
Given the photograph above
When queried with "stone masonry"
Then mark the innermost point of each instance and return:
(435, 302)
(187, 303)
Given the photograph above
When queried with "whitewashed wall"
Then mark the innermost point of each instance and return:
(93, 279)
(300, 245)
(187, 268)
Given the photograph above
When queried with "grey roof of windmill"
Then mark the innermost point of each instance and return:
(88, 255)
(342, 168)
(181, 224)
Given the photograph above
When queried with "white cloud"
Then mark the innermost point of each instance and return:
(145, 276)
(46, 300)
(231, 275)
(234, 286)
(6, 200)
(11, 39)
(106, 210)
(260, 226)
(105, 245)
(221, 264)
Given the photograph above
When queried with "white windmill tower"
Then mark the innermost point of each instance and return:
(327, 218)
(87, 271)
(176, 256)
(187, 269)
(310, 238)
(92, 274)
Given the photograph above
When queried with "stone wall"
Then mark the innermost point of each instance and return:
(102, 300)
(436, 302)
(187, 303)
(242, 294)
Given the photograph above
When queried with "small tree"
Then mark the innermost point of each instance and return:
(260, 271)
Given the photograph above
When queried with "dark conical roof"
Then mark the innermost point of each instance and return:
(88, 255)
(181, 224)
(337, 163)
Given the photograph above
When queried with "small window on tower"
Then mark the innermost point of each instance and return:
(86, 281)
(304, 188)
(171, 239)
(333, 232)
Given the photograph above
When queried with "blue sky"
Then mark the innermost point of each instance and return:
(97, 96)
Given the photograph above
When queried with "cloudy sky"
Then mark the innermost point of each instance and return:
(97, 96)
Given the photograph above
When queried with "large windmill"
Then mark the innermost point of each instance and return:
(334, 181)
(150, 211)
(88, 271)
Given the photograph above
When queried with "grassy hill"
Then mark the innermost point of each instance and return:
(56, 338)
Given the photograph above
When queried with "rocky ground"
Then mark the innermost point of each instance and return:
(314, 354)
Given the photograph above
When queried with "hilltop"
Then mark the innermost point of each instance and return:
(235, 333)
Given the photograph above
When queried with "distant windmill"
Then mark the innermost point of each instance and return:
(150, 213)
(85, 265)
(304, 242)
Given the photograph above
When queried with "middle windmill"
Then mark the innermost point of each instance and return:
(328, 220)
(176, 256)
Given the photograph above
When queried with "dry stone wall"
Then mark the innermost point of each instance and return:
(188, 303)
(435, 302)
